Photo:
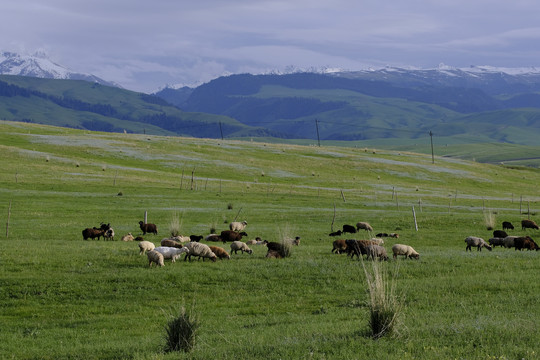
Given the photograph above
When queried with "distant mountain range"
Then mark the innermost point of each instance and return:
(390, 107)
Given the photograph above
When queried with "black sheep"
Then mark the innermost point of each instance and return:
(506, 225)
(349, 229)
(148, 228)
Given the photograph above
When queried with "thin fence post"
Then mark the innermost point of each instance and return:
(414, 216)
(343, 196)
(146, 217)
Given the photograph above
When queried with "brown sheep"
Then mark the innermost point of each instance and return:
(528, 224)
(525, 242)
(339, 246)
(91, 233)
(230, 236)
(148, 228)
(220, 252)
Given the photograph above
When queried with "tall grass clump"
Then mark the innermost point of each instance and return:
(285, 236)
(385, 305)
(181, 331)
(489, 220)
(175, 225)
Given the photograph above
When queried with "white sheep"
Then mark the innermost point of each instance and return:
(237, 225)
(477, 242)
(155, 257)
(376, 251)
(171, 252)
(363, 225)
(146, 246)
(377, 241)
(509, 241)
(109, 234)
(200, 250)
(242, 246)
(406, 250)
(128, 237)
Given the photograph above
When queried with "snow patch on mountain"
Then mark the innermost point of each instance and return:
(40, 66)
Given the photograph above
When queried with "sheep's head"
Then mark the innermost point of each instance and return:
(243, 233)
(249, 251)
(489, 247)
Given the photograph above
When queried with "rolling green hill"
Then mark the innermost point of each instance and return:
(296, 108)
(85, 105)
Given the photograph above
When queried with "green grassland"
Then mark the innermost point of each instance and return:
(62, 297)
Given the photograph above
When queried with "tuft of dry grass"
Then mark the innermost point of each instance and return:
(384, 304)
(489, 220)
(175, 225)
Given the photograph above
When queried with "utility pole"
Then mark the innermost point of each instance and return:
(432, 156)
(221, 130)
(317, 126)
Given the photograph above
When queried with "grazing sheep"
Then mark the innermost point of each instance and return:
(496, 241)
(528, 224)
(336, 233)
(376, 251)
(146, 246)
(170, 252)
(363, 225)
(171, 243)
(500, 234)
(525, 242)
(91, 233)
(349, 229)
(507, 225)
(356, 247)
(155, 257)
(406, 250)
(237, 225)
(195, 238)
(128, 237)
(201, 250)
(148, 228)
(220, 252)
(239, 245)
(377, 241)
(212, 237)
(477, 242)
(230, 236)
(109, 234)
(339, 246)
(509, 241)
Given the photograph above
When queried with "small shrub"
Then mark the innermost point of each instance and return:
(181, 331)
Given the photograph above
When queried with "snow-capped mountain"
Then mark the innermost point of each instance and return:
(39, 65)
(492, 80)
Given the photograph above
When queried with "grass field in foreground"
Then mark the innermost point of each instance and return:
(62, 297)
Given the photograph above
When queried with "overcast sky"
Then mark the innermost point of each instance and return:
(144, 45)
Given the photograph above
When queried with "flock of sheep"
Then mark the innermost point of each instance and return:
(501, 238)
(173, 247)
(372, 248)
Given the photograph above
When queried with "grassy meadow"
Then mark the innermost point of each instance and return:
(65, 298)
